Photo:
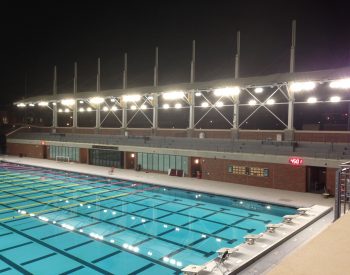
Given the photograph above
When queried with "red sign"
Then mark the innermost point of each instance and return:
(296, 161)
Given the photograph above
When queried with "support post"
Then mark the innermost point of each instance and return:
(155, 113)
(193, 62)
(155, 78)
(292, 48)
(54, 91)
(238, 55)
(75, 89)
(191, 114)
(125, 71)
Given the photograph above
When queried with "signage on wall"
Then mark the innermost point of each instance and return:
(296, 161)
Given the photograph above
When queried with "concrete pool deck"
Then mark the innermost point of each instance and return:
(247, 253)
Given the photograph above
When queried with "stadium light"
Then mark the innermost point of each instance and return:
(31, 104)
(312, 100)
(340, 84)
(205, 104)
(227, 91)
(89, 109)
(143, 107)
(96, 100)
(252, 102)
(198, 94)
(178, 105)
(302, 86)
(68, 102)
(335, 99)
(114, 108)
(258, 90)
(66, 110)
(133, 107)
(81, 101)
(105, 108)
(60, 110)
(173, 95)
(113, 99)
(131, 98)
(21, 105)
(219, 104)
(166, 106)
(271, 101)
(43, 103)
(81, 110)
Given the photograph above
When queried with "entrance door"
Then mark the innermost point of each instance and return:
(196, 168)
(315, 179)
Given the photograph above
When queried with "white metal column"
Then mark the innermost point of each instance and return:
(75, 88)
(191, 103)
(155, 111)
(54, 109)
(291, 70)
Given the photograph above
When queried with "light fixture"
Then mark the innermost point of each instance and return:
(113, 99)
(312, 100)
(132, 155)
(302, 86)
(271, 101)
(96, 100)
(258, 90)
(219, 104)
(131, 98)
(21, 105)
(143, 107)
(178, 105)
(252, 102)
(196, 161)
(340, 84)
(114, 108)
(150, 97)
(68, 102)
(88, 109)
(31, 104)
(198, 94)
(43, 103)
(173, 95)
(227, 91)
(81, 102)
(60, 110)
(205, 104)
(54, 103)
(81, 110)
(66, 110)
(105, 108)
(335, 99)
(165, 106)
(133, 107)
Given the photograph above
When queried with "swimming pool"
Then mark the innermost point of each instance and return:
(59, 222)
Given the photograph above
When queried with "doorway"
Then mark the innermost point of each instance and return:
(196, 167)
(315, 179)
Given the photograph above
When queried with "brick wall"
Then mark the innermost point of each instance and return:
(281, 176)
(27, 150)
(84, 155)
(322, 136)
(259, 135)
(330, 180)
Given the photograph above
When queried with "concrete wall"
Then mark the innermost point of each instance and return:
(281, 176)
(319, 136)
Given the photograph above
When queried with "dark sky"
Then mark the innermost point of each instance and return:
(36, 35)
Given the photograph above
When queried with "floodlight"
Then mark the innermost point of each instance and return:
(335, 99)
(252, 102)
(89, 109)
(340, 84)
(133, 107)
(178, 105)
(312, 100)
(258, 90)
(271, 101)
(205, 104)
(219, 104)
(43, 103)
(66, 110)
(105, 108)
(96, 100)
(114, 108)
(68, 102)
(227, 91)
(166, 106)
(302, 86)
(21, 105)
(60, 110)
(143, 107)
(81, 110)
(131, 98)
(173, 95)
(198, 94)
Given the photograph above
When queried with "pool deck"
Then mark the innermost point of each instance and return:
(246, 253)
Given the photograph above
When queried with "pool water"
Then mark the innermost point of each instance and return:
(59, 222)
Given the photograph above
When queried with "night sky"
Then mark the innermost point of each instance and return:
(37, 35)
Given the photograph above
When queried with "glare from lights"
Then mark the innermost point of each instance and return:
(54, 103)
(271, 101)
(105, 108)
(88, 109)
(96, 100)
(133, 107)
(132, 155)
(227, 91)
(166, 106)
(68, 102)
(114, 108)
(81, 110)
(219, 104)
(131, 98)
(196, 161)
(21, 105)
(173, 95)
(340, 84)
(31, 104)
(258, 90)
(81, 102)
(150, 98)
(60, 110)
(66, 110)
(312, 100)
(198, 94)
(302, 86)
(178, 105)
(335, 99)
(205, 104)
(113, 99)
(143, 107)
(252, 102)
(43, 103)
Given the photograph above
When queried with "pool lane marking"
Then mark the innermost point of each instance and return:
(55, 249)
(14, 265)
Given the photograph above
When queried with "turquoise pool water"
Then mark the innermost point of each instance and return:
(59, 222)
